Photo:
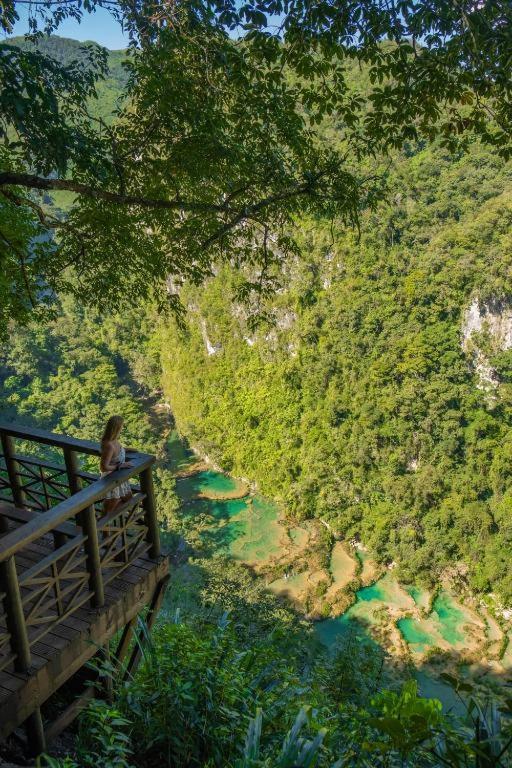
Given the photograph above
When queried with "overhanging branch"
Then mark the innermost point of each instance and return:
(246, 212)
(31, 181)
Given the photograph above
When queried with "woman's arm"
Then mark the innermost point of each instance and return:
(107, 454)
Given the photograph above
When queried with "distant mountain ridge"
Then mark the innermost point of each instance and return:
(66, 50)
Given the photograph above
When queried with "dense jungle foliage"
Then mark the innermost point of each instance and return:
(214, 150)
(356, 400)
(243, 690)
(230, 669)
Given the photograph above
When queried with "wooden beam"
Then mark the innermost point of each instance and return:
(15, 618)
(154, 607)
(52, 438)
(126, 638)
(26, 515)
(70, 713)
(48, 438)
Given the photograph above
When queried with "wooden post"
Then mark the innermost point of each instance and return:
(108, 683)
(74, 482)
(153, 534)
(14, 614)
(72, 468)
(126, 638)
(11, 465)
(154, 607)
(36, 740)
(88, 523)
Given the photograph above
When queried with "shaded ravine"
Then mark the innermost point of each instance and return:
(405, 619)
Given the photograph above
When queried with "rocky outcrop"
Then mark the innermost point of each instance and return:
(490, 321)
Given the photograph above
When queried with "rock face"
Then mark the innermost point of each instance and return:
(211, 349)
(492, 320)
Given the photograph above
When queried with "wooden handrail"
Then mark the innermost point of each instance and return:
(12, 542)
(52, 438)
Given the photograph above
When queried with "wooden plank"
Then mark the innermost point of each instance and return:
(12, 682)
(70, 713)
(51, 557)
(35, 461)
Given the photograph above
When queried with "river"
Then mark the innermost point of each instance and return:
(422, 632)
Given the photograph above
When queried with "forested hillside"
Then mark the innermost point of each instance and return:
(351, 393)
(358, 399)
(370, 388)
(66, 51)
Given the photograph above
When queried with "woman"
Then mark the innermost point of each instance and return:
(113, 457)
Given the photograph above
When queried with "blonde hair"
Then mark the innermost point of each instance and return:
(112, 429)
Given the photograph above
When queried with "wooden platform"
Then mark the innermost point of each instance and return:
(74, 572)
(76, 639)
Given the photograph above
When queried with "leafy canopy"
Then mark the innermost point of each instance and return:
(215, 151)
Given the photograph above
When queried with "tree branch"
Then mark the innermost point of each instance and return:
(47, 220)
(249, 211)
(245, 213)
(30, 181)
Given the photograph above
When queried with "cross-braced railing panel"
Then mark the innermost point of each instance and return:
(123, 537)
(43, 484)
(58, 547)
(55, 588)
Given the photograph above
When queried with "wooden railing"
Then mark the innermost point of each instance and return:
(65, 551)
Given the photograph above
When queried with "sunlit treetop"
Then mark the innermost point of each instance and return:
(218, 148)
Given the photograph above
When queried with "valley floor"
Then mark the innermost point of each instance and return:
(338, 585)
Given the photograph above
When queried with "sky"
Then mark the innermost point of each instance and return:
(98, 26)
